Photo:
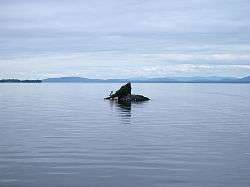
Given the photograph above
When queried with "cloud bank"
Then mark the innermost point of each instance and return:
(118, 39)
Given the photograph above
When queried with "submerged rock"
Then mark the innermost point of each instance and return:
(124, 95)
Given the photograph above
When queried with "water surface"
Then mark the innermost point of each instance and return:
(188, 135)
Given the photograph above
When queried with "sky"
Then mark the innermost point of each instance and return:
(124, 39)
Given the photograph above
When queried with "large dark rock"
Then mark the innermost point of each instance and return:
(124, 95)
(122, 92)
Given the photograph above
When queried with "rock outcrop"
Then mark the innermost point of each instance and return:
(124, 95)
(133, 98)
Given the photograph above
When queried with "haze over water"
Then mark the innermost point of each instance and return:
(188, 135)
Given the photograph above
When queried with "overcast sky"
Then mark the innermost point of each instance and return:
(124, 38)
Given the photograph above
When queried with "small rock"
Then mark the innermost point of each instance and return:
(124, 95)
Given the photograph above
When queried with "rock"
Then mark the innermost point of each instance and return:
(122, 92)
(124, 95)
(133, 98)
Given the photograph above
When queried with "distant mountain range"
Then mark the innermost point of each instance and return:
(151, 80)
(211, 79)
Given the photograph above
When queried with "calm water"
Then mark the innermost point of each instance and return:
(188, 135)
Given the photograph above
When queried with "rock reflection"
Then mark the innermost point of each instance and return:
(126, 106)
(123, 109)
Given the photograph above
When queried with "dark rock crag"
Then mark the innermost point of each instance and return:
(124, 95)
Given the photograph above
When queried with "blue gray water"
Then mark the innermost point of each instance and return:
(188, 135)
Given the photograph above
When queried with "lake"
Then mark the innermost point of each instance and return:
(188, 135)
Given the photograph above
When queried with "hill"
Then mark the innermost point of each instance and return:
(152, 80)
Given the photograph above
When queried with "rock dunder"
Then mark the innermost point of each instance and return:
(124, 95)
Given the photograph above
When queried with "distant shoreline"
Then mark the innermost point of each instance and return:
(19, 81)
(244, 80)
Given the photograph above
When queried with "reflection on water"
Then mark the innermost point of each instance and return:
(123, 109)
(125, 105)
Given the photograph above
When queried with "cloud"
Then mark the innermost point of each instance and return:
(63, 37)
(194, 69)
(116, 65)
(224, 57)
